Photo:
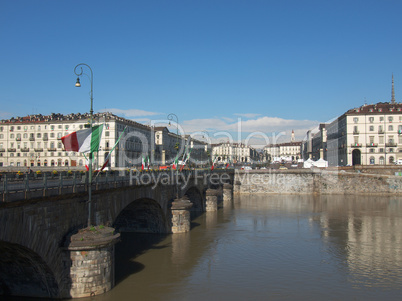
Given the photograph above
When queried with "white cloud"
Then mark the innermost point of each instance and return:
(210, 124)
(130, 112)
(275, 124)
(263, 124)
(5, 115)
(257, 132)
(247, 115)
(228, 119)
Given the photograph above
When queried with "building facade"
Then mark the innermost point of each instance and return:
(236, 153)
(368, 135)
(287, 151)
(35, 140)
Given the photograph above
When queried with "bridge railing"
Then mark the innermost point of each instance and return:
(30, 187)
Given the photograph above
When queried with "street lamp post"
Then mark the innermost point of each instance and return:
(205, 150)
(91, 112)
(173, 117)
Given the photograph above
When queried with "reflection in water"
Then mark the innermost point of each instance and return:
(368, 240)
(270, 248)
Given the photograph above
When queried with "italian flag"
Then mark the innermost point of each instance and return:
(175, 163)
(213, 164)
(109, 155)
(185, 161)
(84, 141)
(143, 163)
(148, 161)
(86, 163)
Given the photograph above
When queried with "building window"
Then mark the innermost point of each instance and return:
(371, 150)
(107, 133)
(38, 135)
(51, 135)
(381, 118)
(390, 128)
(390, 118)
(391, 159)
(355, 120)
(371, 128)
(371, 119)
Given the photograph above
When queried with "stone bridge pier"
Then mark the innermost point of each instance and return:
(47, 250)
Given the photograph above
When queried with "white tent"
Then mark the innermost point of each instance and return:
(320, 163)
(308, 163)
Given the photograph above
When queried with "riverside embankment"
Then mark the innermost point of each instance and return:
(315, 181)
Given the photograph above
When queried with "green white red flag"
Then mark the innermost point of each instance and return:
(83, 141)
(213, 163)
(143, 163)
(175, 163)
(110, 153)
(185, 161)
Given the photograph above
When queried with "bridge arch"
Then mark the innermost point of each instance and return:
(23, 272)
(142, 215)
(197, 198)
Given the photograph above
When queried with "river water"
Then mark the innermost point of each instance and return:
(270, 248)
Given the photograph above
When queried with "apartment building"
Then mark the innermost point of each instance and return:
(234, 152)
(35, 140)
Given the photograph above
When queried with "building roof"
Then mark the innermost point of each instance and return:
(294, 143)
(57, 117)
(377, 109)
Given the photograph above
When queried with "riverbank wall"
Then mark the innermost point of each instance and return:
(315, 181)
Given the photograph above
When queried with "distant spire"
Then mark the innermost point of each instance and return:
(393, 91)
(292, 138)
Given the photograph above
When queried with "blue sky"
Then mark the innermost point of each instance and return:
(276, 65)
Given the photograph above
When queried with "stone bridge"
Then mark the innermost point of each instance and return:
(45, 254)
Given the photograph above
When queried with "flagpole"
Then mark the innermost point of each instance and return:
(91, 112)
